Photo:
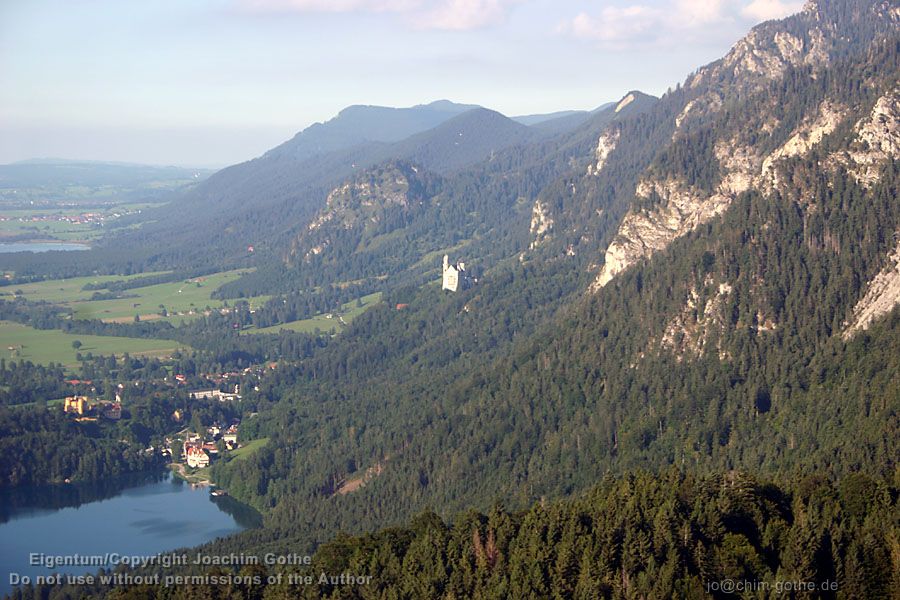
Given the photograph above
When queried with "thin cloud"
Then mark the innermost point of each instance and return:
(699, 12)
(641, 24)
(763, 10)
(460, 15)
(451, 15)
(331, 6)
(615, 24)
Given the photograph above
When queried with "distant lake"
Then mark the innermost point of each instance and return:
(40, 246)
(138, 515)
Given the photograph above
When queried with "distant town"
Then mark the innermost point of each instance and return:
(193, 447)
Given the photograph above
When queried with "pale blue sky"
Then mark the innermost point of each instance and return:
(213, 82)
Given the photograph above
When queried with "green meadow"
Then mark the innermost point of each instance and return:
(181, 299)
(20, 342)
(322, 323)
(248, 448)
(64, 290)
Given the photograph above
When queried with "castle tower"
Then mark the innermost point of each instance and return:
(450, 276)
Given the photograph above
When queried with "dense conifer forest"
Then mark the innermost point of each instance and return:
(716, 411)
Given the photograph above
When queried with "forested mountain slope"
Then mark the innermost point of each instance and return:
(704, 283)
(724, 350)
(265, 201)
(666, 536)
(357, 125)
(483, 213)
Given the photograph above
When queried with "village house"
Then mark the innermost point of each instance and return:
(230, 437)
(215, 394)
(192, 442)
(196, 458)
(112, 410)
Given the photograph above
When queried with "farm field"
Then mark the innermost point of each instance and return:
(322, 323)
(64, 290)
(50, 230)
(21, 342)
(60, 223)
(181, 299)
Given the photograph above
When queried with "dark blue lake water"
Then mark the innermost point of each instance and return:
(139, 515)
(41, 246)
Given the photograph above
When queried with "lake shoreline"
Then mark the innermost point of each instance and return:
(139, 515)
(179, 471)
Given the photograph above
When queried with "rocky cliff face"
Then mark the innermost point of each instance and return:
(692, 332)
(646, 232)
(605, 145)
(624, 102)
(877, 140)
(541, 223)
(817, 125)
(678, 209)
(737, 130)
(350, 202)
(882, 295)
(762, 56)
(750, 160)
(361, 204)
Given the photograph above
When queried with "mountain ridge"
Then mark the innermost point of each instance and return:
(359, 124)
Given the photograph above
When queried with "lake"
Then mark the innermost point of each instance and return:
(137, 515)
(7, 247)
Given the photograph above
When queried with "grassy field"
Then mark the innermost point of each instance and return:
(51, 230)
(248, 448)
(21, 342)
(64, 290)
(181, 299)
(176, 297)
(23, 223)
(322, 323)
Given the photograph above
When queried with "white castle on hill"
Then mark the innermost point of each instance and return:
(455, 276)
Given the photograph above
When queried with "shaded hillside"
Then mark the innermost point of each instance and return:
(483, 212)
(562, 122)
(532, 120)
(464, 140)
(356, 125)
(259, 202)
(723, 349)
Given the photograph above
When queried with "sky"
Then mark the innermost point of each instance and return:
(208, 83)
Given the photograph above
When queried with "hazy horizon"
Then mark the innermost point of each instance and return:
(71, 159)
(219, 82)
